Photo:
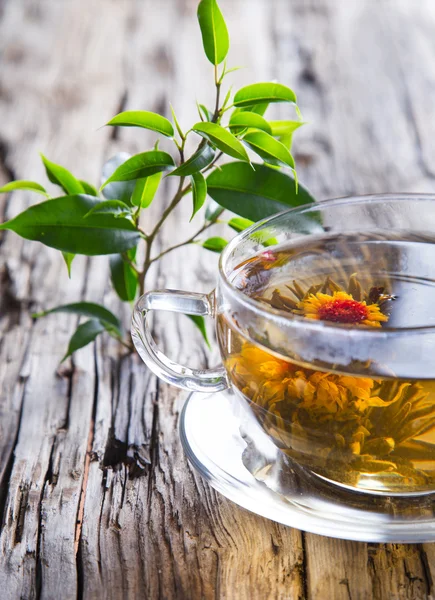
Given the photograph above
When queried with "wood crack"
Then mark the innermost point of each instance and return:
(303, 566)
(4, 481)
(426, 569)
(154, 444)
(345, 582)
(6, 168)
(122, 103)
(41, 518)
(81, 505)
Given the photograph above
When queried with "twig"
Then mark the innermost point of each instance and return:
(189, 241)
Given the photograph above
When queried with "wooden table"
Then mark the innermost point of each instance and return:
(82, 513)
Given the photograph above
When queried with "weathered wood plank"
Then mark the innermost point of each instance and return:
(157, 530)
(45, 482)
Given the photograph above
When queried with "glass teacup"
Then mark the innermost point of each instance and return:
(325, 318)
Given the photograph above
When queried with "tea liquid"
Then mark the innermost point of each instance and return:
(374, 433)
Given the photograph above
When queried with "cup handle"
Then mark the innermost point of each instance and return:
(194, 380)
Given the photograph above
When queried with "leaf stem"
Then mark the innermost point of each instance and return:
(142, 232)
(213, 164)
(218, 84)
(126, 344)
(224, 110)
(130, 262)
(189, 241)
(149, 239)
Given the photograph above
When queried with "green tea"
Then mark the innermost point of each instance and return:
(376, 432)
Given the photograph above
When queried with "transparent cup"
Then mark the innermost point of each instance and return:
(352, 403)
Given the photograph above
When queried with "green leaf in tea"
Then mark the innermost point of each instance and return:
(145, 119)
(145, 190)
(62, 177)
(85, 309)
(142, 165)
(200, 324)
(259, 93)
(270, 149)
(214, 31)
(60, 224)
(84, 335)
(199, 192)
(198, 161)
(110, 207)
(21, 184)
(124, 277)
(68, 257)
(215, 244)
(250, 120)
(255, 194)
(222, 139)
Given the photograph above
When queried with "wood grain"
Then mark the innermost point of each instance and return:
(149, 527)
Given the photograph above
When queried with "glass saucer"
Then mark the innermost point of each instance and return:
(225, 444)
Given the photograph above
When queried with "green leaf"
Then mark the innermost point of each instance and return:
(121, 190)
(240, 224)
(215, 244)
(60, 224)
(22, 184)
(264, 92)
(249, 119)
(213, 211)
(284, 127)
(255, 194)
(110, 207)
(269, 148)
(142, 165)
(62, 177)
(222, 139)
(124, 278)
(198, 161)
(68, 258)
(177, 124)
(258, 109)
(284, 130)
(145, 190)
(207, 114)
(84, 335)
(88, 188)
(214, 31)
(85, 309)
(199, 191)
(200, 323)
(227, 98)
(145, 119)
(232, 70)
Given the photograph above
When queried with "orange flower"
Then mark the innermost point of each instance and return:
(340, 308)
